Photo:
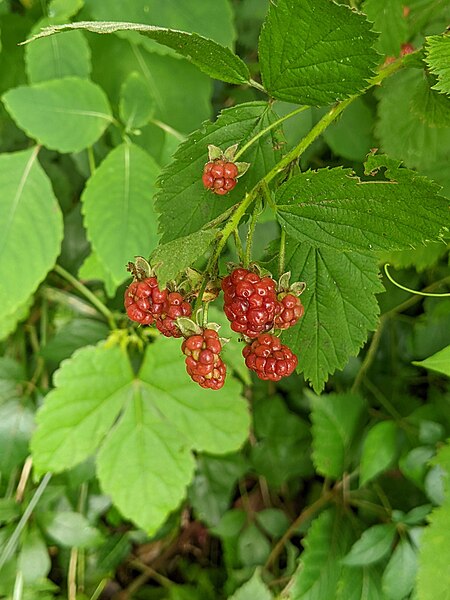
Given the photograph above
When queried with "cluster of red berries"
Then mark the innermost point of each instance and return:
(221, 172)
(252, 305)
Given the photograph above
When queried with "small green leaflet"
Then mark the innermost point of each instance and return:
(331, 208)
(137, 104)
(360, 583)
(145, 426)
(29, 215)
(66, 114)
(213, 59)
(183, 202)
(336, 419)
(254, 589)
(172, 258)
(315, 51)
(437, 52)
(379, 451)
(327, 541)
(340, 307)
(374, 544)
(118, 207)
(439, 362)
(400, 574)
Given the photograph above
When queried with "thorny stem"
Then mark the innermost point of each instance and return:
(250, 233)
(282, 255)
(80, 287)
(239, 248)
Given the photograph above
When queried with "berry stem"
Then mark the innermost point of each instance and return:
(257, 85)
(80, 287)
(250, 233)
(406, 289)
(282, 254)
(246, 146)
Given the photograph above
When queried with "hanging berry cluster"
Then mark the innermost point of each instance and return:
(257, 306)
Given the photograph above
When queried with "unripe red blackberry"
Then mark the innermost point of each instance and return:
(144, 301)
(220, 176)
(292, 310)
(175, 306)
(203, 362)
(250, 302)
(269, 358)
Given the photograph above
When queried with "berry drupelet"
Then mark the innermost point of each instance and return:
(203, 362)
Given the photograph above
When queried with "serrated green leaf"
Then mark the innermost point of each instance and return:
(254, 589)
(429, 106)
(145, 462)
(400, 573)
(335, 421)
(67, 55)
(388, 20)
(172, 258)
(437, 57)
(433, 577)
(340, 307)
(327, 541)
(213, 59)
(402, 133)
(122, 188)
(183, 202)
(90, 389)
(136, 103)
(439, 362)
(374, 544)
(315, 51)
(332, 209)
(66, 114)
(360, 584)
(379, 450)
(28, 211)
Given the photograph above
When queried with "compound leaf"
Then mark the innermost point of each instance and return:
(437, 53)
(67, 114)
(183, 202)
(118, 208)
(213, 59)
(332, 209)
(340, 307)
(30, 215)
(335, 421)
(315, 51)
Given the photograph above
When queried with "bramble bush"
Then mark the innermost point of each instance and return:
(213, 385)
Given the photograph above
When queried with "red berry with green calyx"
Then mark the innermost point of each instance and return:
(203, 362)
(269, 358)
(220, 176)
(175, 306)
(291, 311)
(144, 301)
(250, 302)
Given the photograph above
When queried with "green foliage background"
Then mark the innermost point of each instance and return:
(118, 476)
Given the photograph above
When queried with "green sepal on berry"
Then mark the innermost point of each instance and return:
(291, 308)
(285, 286)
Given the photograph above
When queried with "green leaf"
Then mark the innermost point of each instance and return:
(336, 419)
(429, 106)
(439, 362)
(213, 59)
(388, 20)
(442, 459)
(73, 335)
(433, 577)
(93, 269)
(183, 202)
(122, 188)
(400, 574)
(404, 134)
(71, 529)
(360, 584)
(9, 321)
(254, 589)
(66, 114)
(90, 389)
(64, 8)
(421, 258)
(34, 560)
(330, 208)
(145, 461)
(379, 450)
(64, 56)
(253, 547)
(374, 544)
(136, 102)
(340, 307)
(437, 57)
(315, 51)
(28, 211)
(172, 258)
(16, 426)
(327, 541)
